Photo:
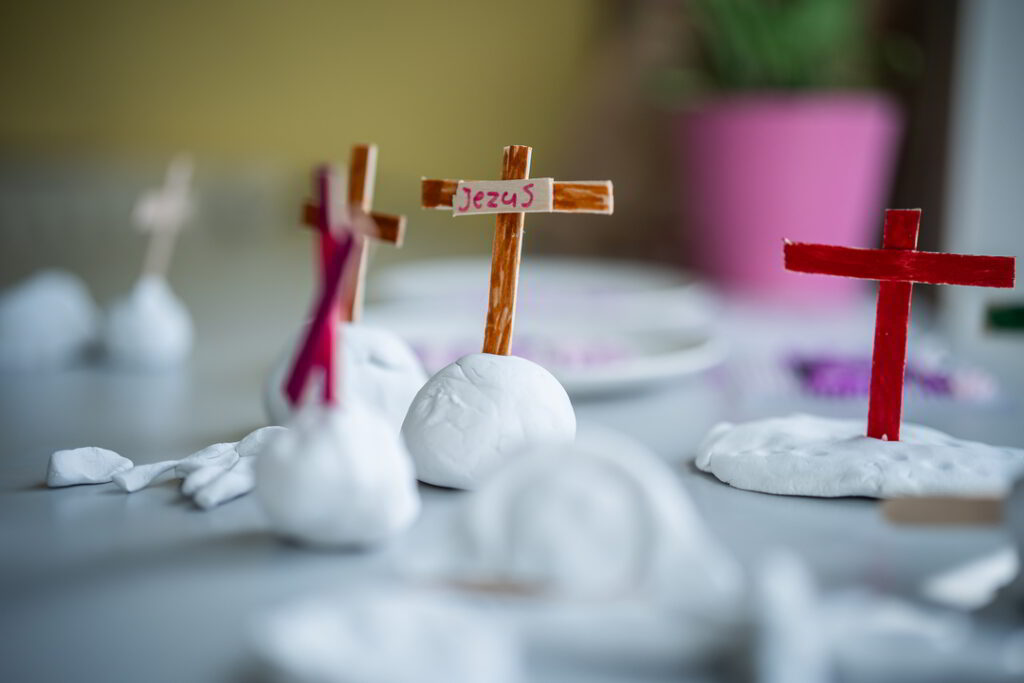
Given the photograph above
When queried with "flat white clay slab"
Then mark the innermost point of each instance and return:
(805, 455)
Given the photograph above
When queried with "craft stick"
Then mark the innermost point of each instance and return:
(900, 266)
(389, 227)
(581, 196)
(162, 212)
(505, 255)
(892, 321)
(312, 346)
(945, 511)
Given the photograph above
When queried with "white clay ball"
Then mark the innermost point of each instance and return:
(379, 370)
(337, 478)
(373, 636)
(149, 327)
(478, 412)
(596, 519)
(47, 321)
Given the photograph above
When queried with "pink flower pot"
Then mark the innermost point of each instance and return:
(763, 168)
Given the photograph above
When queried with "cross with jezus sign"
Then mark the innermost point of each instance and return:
(897, 265)
(512, 197)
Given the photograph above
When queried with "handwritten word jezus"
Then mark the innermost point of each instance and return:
(531, 195)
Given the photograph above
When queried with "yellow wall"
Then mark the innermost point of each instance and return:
(441, 86)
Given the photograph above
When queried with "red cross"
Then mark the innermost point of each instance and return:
(897, 265)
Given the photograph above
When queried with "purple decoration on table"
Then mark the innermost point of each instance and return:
(850, 376)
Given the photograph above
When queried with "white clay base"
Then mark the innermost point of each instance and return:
(804, 455)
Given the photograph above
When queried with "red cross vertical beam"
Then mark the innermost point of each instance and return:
(897, 266)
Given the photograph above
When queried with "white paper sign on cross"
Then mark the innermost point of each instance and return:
(162, 212)
(511, 198)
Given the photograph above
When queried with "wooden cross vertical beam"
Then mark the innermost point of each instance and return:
(506, 252)
(362, 174)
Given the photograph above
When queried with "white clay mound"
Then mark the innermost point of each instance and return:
(148, 328)
(804, 455)
(337, 478)
(47, 321)
(377, 637)
(380, 370)
(478, 412)
(601, 519)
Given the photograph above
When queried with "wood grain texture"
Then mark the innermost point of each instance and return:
(580, 196)
(505, 255)
(898, 265)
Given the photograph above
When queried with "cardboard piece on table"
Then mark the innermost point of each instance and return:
(547, 195)
(898, 265)
(944, 511)
(362, 171)
(162, 212)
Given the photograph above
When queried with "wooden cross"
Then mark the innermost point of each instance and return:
(162, 212)
(341, 227)
(897, 265)
(362, 171)
(512, 197)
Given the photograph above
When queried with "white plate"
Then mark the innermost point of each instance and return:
(598, 326)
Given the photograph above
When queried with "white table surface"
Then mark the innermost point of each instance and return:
(99, 585)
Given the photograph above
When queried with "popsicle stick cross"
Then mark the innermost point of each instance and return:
(897, 265)
(162, 212)
(341, 227)
(362, 171)
(511, 198)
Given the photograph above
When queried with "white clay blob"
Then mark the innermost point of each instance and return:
(87, 465)
(378, 637)
(804, 455)
(380, 370)
(790, 643)
(149, 327)
(478, 412)
(337, 478)
(46, 321)
(596, 519)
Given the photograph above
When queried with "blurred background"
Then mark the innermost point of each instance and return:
(725, 126)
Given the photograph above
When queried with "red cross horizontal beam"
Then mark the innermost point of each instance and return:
(900, 265)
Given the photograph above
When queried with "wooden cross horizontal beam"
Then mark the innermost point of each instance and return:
(900, 265)
(390, 228)
(584, 196)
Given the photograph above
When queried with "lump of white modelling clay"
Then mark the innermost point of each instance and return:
(601, 518)
(141, 476)
(480, 411)
(380, 370)
(148, 328)
(337, 478)
(377, 636)
(804, 455)
(47, 321)
(88, 465)
(231, 483)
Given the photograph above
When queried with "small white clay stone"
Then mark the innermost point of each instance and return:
(141, 476)
(88, 465)
(47, 321)
(236, 481)
(379, 637)
(804, 455)
(478, 412)
(380, 370)
(200, 478)
(597, 520)
(148, 328)
(337, 478)
(222, 455)
(790, 642)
